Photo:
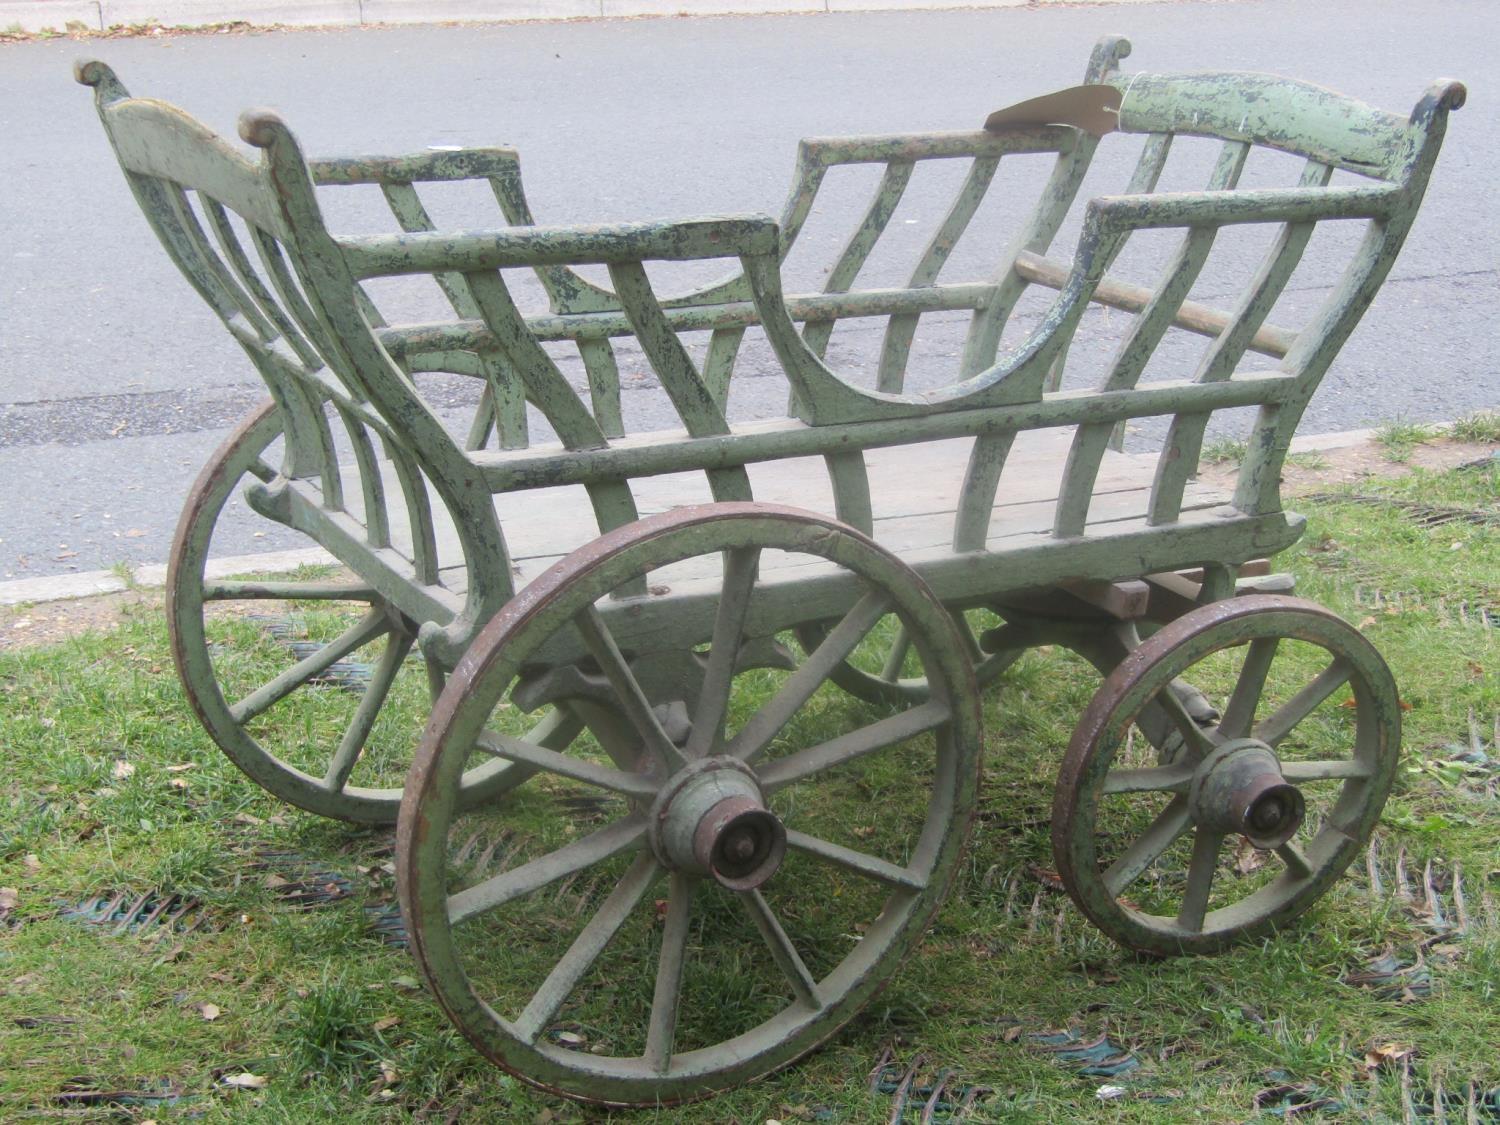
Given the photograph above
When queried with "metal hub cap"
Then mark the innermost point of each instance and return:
(1239, 789)
(712, 820)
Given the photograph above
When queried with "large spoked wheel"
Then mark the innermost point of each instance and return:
(1259, 811)
(310, 682)
(739, 861)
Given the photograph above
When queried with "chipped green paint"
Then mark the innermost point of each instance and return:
(412, 513)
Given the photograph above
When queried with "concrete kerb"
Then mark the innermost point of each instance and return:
(99, 15)
(63, 587)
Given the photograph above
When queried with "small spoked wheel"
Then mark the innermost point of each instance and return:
(731, 862)
(309, 680)
(1260, 810)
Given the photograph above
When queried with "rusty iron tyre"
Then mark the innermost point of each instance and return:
(718, 855)
(1269, 803)
(244, 678)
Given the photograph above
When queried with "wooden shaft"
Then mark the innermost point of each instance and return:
(1191, 315)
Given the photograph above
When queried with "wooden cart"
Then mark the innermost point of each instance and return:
(629, 631)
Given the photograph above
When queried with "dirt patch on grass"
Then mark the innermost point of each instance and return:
(47, 623)
(1315, 471)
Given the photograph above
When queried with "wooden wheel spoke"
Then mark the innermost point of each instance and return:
(1199, 741)
(753, 738)
(661, 1031)
(740, 569)
(1326, 771)
(372, 625)
(499, 889)
(353, 742)
(854, 745)
(966, 634)
(1200, 880)
(633, 701)
(1297, 863)
(1239, 712)
(890, 672)
(526, 752)
(1163, 779)
(783, 952)
(590, 943)
(289, 591)
(872, 867)
(1169, 824)
(1277, 725)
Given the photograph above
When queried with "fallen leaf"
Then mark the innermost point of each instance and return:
(1248, 858)
(178, 783)
(1046, 876)
(389, 1073)
(272, 881)
(32, 863)
(385, 1023)
(1387, 1054)
(122, 770)
(182, 766)
(406, 984)
(246, 1081)
(209, 1011)
(246, 818)
(9, 896)
(134, 533)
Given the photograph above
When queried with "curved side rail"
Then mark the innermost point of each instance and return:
(1263, 109)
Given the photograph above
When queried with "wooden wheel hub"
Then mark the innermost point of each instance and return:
(712, 820)
(1239, 789)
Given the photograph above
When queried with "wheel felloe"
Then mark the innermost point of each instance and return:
(326, 716)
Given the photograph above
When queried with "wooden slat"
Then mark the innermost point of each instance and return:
(899, 332)
(1183, 445)
(701, 415)
(1139, 344)
(857, 250)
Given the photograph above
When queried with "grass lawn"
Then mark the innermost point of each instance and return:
(174, 943)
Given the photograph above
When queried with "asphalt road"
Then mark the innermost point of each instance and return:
(116, 383)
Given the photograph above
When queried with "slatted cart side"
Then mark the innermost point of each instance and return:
(1242, 111)
(502, 409)
(989, 300)
(479, 259)
(244, 234)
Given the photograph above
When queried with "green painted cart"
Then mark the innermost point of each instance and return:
(632, 770)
